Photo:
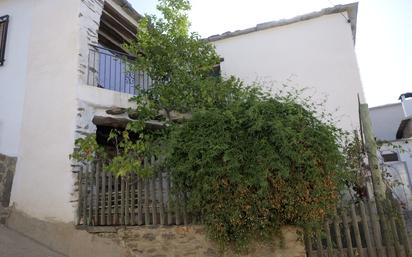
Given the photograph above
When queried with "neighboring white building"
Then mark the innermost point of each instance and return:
(315, 51)
(391, 125)
(385, 120)
(56, 78)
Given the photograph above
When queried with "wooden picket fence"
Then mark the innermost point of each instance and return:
(109, 200)
(357, 231)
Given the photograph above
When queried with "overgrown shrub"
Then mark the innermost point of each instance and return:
(258, 164)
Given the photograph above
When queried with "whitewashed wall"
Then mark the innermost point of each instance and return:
(58, 106)
(13, 72)
(386, 120)
(317, 54)
(43, 182)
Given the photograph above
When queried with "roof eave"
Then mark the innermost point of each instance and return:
(351, 9)
(128, 8)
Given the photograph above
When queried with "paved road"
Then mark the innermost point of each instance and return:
(13, 244)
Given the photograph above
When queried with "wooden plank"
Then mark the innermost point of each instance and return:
(122, 189)
(319, 246)
(80, 197)
(146, 202)
(103, 197)
(161, 200)
(185, 216)
(169, 206)
(126, 200)
(177, 210)
(367, 232)
(376, 230)
(154, 200)
(338, 236)
(386, 228)
(110, 199)
(97, 185)
(89, 186)
(347, 232)
(116, 200)
(329, 245)
(396, 238)
(356, 231)
(153, 187)
(403, 231)
(308, 242)
(146, 196)
(139, 200)
(399, 229)
(81, 216)
(132, 199)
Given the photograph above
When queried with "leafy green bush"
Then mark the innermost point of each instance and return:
(258, 164)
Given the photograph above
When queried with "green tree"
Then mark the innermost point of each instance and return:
(178, 61)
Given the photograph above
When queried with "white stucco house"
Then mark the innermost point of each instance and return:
(64, 65)
(314, 51)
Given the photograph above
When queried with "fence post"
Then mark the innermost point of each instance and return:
(81, 194)
(356, 231)
(308, 241)
(329, 245)
(97, 184)
(371, 249)
(347, 232)
(379, 187)
(338, 234)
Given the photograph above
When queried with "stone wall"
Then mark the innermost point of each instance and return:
(145, 241)
(89, 20)
(7, 169)
(179, 241)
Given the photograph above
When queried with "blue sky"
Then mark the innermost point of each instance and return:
(383, 41)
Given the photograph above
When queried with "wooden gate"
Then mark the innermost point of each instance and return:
(109, 200)
(358, 231)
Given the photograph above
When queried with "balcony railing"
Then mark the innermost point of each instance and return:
(111, 70)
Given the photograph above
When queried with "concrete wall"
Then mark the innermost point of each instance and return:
(13, 72)
(317, 54)
(386, 120)
(43, 182)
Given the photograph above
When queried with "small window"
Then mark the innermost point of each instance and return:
(390, 157)
(4, 22)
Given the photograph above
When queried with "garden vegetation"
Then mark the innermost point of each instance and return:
(247, 162)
